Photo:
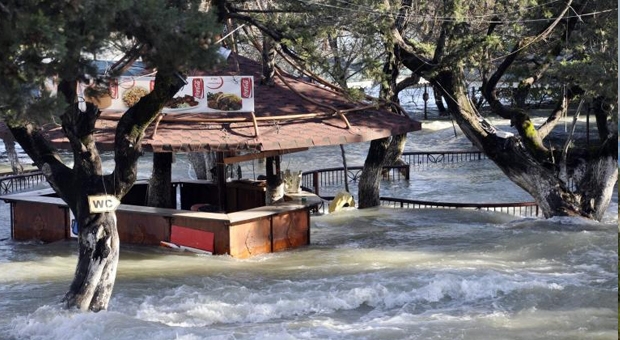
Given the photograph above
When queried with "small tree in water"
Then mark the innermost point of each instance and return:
(49, 47)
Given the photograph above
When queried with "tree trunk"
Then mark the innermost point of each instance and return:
(11, 153)
(199, 163)
(160, 183)
(593, 175)
(98, 235)
(385, 151)
(437, 94)
(382, 152)
(370, 179)
(98, 259)
(268, 55)
(275, 185)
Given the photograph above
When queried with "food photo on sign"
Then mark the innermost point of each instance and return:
(200, 95)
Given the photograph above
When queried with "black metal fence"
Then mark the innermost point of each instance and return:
(526, 209)
(434, 157)
(316, 179)
(25, 181)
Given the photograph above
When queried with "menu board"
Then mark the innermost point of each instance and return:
(200, 95)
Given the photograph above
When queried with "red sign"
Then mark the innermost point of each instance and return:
(246, 88)
(198, 88)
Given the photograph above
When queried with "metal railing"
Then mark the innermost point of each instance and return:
(525, 209)
(25, 181)
(434, 157)
(316, 179)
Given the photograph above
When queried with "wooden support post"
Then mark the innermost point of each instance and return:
(425, 98)
(255, 124)
(344, 118)
(275, 186)
(220, 170)
(315, 182)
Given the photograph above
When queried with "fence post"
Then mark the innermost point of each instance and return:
(315, 182)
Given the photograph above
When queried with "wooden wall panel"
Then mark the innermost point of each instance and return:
(136, 228)
(250, 238)
(40, 221)
(290, 230)
(221, 235)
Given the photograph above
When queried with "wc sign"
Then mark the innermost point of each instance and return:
(102, 203)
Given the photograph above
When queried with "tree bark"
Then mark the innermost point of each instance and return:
(95, 273)
(385, 151)
(11, 153)
(98, 235)
(382, 152)
(199, 163)
(439, 101)
(594, 175)
(160, 183)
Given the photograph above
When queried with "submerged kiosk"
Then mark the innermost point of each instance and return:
(287, 115)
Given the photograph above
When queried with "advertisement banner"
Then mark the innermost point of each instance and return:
(213, 94)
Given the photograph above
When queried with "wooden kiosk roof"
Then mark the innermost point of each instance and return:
(292, 114)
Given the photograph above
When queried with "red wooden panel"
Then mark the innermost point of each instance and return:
(188, 237)
(134, 228)
(218, 228)
(39, 221)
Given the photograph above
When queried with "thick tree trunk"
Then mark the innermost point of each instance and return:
(382, 152)
(98, 259)
(275, 185)
(533, 169)
(385, 151)
(11, 153)
(98, 235)
(160, 183)
(595, 185)
(199, 163)
(437, 94)
(370, 180)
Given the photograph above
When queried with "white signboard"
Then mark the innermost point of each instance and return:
(200, 95)
(102, 203)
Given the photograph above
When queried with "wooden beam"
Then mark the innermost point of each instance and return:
(220, 169)
(264, 154)
(255, 124)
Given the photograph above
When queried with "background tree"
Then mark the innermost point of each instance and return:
(564, 178)
(570, 45)
(48, 47)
